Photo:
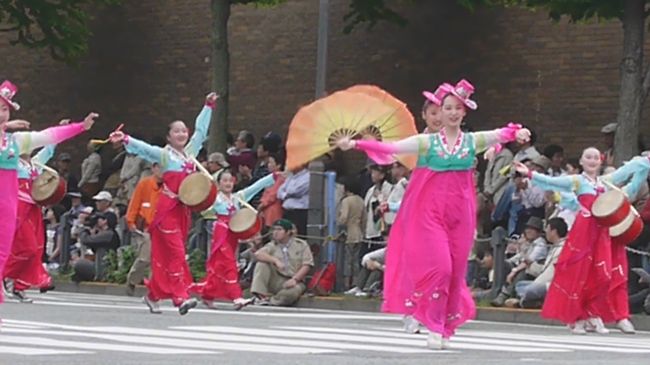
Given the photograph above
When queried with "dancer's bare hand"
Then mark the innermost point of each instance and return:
(64, 122)
(523, 135)
(90, 120)
(117, 137)
(346, 143)
(522, 169)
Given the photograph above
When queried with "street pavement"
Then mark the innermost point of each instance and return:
(73, 328)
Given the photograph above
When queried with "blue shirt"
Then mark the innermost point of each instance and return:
(294, 193)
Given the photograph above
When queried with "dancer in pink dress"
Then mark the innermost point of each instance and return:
(12, 145)
(434, 229)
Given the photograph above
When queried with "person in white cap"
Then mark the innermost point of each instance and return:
(103, 202)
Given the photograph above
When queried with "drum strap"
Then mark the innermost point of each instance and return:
(25, 197)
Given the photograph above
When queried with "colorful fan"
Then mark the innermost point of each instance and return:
(316, 127)
(394, 126)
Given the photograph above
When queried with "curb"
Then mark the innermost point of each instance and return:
(522, 316)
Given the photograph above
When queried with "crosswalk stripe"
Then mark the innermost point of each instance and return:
(42, 341)
(292, 315)
(182, 343)
(30, 351)
(297, 346)
(587, 343)
(417, 342)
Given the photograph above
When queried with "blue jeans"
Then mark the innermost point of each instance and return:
(529, 291)
(505, 205)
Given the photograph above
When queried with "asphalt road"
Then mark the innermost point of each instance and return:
(69, 328)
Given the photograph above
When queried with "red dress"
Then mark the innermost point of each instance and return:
(222, 277)
(590, 275)
(170, 273)
(25, 264)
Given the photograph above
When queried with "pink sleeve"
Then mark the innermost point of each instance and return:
(509, 132)
(29, 141)
(375, 146)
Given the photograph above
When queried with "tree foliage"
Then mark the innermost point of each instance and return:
(58, 25)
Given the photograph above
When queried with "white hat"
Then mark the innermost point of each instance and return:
(103, 195)
(609, 128)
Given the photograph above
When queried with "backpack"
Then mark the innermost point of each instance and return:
(322, 282)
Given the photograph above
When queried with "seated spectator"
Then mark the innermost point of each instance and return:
(371, 275)
(532, 248)
(102, 234)
(281, 268)
(531, 293)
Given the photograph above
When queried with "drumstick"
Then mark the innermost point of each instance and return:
(104, 141)
(45, 167)
(245, 203)
(200, 167)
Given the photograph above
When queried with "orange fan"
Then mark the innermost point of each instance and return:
(394, 126)
(316, 127)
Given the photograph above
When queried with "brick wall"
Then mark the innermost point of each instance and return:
(149, 64)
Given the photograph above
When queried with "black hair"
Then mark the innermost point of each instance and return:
(352, 185)
(230, 140)
(427, 103)
(559, 225)
(278, 158)
(58, 211)
(221, 173)
(552, 149)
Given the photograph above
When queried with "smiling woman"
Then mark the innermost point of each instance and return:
(432, 288)
(170, 274)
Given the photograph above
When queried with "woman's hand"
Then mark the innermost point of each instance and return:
(522, 135)
(117, 137)
(17, 124)
(346, 143)
(89, 120)
(522, 169)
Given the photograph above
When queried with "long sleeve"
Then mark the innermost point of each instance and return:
(533, 197)
(201, 126)
(495, 183)
(91, 168)
(29, 141)
(623, 173)
(134, 205)
(417, 144)
(251, 191)
(44, 155)
(487, 139)
(342, 216)
(565, 184)
(143, 149)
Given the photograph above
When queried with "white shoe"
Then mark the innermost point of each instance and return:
(411, 325)
(626, 326)
(445, 343)
(578, 328)
(362, 294)
(435, 341)
(353, 291)
(598, 325)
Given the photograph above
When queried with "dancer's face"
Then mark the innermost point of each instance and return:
(226, 182)
(5, 112)
(433, 118)
(590, 160)
(178, 134)
(453, 111)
